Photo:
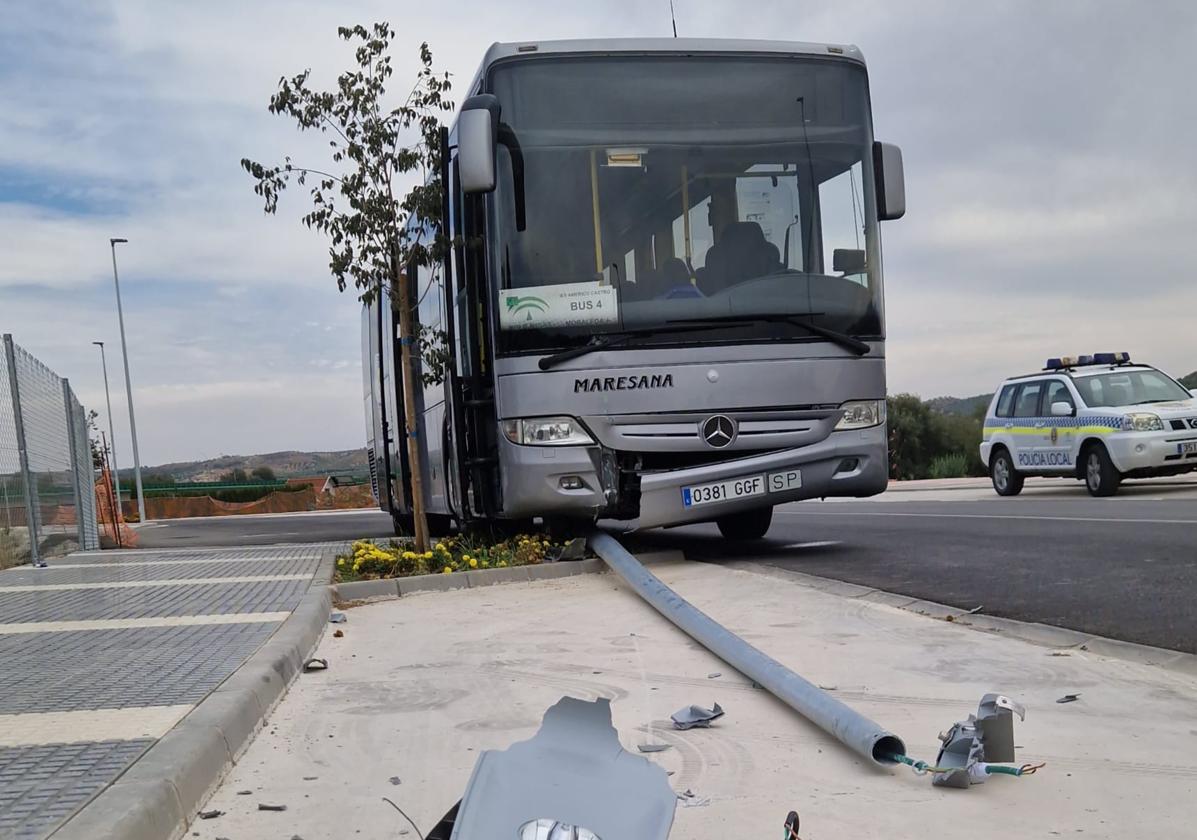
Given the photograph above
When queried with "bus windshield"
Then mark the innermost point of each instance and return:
(661, 189)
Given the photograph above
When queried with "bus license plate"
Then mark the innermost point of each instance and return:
(723, 491)
(783, 481)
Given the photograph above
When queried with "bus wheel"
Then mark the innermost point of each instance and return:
(746, 525)
(1007, 481)
(1101, 476)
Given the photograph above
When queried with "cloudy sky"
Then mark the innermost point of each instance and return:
(1050, 176)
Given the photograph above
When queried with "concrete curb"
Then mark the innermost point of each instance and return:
(367, 591)
(1043, 635)
(157, 797)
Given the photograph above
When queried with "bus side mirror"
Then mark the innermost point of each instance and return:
(1062, 409)
(477, 127)
(848, 261)
(891, 183)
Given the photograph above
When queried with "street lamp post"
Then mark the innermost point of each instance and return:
(128, 383)
(116, 473)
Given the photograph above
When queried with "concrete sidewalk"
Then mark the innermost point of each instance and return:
(104, 653)
(419, 686)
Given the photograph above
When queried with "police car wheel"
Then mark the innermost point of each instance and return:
(1101, 476)
(1007, 481)
(746, 525)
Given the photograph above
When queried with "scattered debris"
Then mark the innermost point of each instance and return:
(1069, 698)
(690, 800)
(262, 806)
(715, 675)
(315, 664)
(652, 748)
(245, 793)
(395, 780)
(829, 687)
(1059, 653)
(338, 618)
(210, 815)
(310, 778)
(975, 609)
(693, 716)
(337, 634)
(296, 837)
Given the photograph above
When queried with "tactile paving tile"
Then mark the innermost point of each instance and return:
(160, 571)
(41, 786)
(295, 552)
(143, 666)
(141, 602)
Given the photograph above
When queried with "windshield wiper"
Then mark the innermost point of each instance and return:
(607, 340)
(844, 340)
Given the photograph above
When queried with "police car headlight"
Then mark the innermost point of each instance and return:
(1142, 422)
(860, 414)
(546, 431)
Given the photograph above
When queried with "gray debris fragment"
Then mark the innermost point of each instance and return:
(395, 780)
(986, 737)
(315, 664)
(245, 793)
(574, 769)
(338, 618)
(210, 815)
(262, 806)
(1069, 698)
(693, 716)
(715, 675)
(652, 748)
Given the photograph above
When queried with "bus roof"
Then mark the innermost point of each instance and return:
(640, 46)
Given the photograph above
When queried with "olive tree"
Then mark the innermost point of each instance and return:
(378, 223)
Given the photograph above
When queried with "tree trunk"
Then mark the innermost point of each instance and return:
(419, 519)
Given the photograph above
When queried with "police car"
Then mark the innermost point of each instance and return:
(1097, 418)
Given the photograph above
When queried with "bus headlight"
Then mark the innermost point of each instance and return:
(860, 414)
(546, 431)
(1142, 422)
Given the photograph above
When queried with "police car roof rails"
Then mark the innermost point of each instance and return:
(1069, 362)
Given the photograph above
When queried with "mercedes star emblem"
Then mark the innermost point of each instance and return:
(718, 431)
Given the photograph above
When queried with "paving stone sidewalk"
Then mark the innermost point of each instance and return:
(104, 652)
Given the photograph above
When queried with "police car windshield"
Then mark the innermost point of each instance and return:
(1129, 387)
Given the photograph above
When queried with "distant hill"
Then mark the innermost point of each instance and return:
(1189, 381)
(967, 406)
(288, 464)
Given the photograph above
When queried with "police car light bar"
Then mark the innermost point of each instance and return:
(1067, 362)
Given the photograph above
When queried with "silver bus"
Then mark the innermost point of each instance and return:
(663, 303)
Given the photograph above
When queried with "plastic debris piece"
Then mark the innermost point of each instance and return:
(652, 748)
(315, 664)
(338, 618)
(716, 675)
(262, 806)
(310, 778)
(1069, 698)
(693, 716)
(210, 815)
(395, 780)
(245, 793)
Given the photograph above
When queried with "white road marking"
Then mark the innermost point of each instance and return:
(1105, 520)
(138, 584)
(125, 623)
(814, 544)
(89, 725)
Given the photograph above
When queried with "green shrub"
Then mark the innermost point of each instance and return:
(954, 465)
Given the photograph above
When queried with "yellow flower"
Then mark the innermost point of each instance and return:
(341, 561)
(502, 562)
(448, 570)
(409, 555)
(465, 557)
(427, 555)
(473, 561)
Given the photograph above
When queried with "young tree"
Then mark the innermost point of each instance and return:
(374, 149)
(263, 474)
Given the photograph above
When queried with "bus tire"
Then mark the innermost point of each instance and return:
(747, 524)
(1101, 476)
(1007, 481)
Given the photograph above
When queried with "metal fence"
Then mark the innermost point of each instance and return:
(47, 481)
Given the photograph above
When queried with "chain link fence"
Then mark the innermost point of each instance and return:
(47, 480)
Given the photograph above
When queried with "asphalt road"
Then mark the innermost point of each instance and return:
(265, 529)
(1125, 568)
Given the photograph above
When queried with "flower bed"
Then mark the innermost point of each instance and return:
(367, 560)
